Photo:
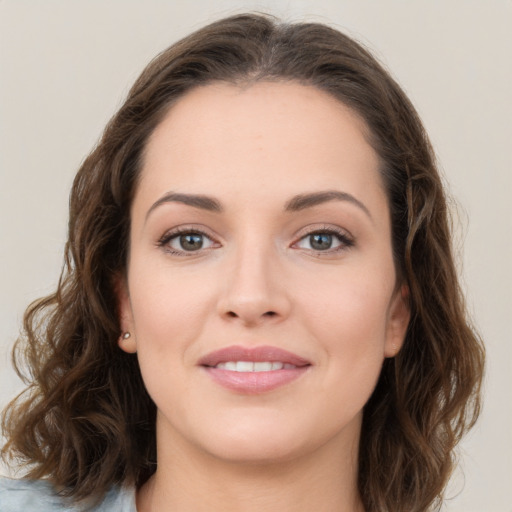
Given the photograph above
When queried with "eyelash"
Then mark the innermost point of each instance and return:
(346, 241)
(175, 233)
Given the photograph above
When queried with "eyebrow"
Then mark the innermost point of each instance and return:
(196, 200)
(303, 201)
(295, 204)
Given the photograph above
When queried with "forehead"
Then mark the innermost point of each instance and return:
(266, 137)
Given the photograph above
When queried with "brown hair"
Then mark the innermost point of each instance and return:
(86, 421)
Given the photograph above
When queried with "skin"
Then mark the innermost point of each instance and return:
(258, 280)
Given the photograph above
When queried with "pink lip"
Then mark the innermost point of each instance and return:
(253, 382)
(256, 354)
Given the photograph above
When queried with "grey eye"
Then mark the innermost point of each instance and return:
(190, 242)
(320, 241)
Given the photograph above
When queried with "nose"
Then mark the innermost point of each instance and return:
(254, 290)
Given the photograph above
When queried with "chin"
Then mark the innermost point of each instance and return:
(273, 440)
(258, 452)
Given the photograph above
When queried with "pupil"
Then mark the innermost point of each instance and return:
(321, 241)
(191, 242)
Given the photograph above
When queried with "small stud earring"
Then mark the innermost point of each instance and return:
(127, 343)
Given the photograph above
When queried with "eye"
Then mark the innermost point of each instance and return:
(186, 242)
(324, 241)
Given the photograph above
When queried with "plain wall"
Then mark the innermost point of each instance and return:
(65, 66)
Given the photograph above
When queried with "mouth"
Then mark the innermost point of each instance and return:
(253, 370)
(252, 366)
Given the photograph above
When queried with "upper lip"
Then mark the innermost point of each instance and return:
(255, 354)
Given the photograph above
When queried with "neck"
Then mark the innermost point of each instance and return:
(189, 479)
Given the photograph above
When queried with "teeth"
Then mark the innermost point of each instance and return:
(249, 366)
(262, 367)
(244, 366)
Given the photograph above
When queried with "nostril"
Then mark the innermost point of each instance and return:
(268, 314)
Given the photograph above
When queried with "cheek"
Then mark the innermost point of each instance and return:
(353, 307)
(349, 322)
(169, 313)
(167, 321)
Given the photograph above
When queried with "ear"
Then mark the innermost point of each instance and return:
(126, 341)
(398, 321)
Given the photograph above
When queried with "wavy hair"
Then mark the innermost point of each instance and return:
(86, 422)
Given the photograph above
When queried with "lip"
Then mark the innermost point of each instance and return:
(256, 354)
(253, 382)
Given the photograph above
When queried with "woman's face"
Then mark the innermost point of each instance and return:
(261, 291)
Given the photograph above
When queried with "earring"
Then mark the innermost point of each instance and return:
(127, 343)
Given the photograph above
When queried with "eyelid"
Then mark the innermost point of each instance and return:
(345, 237)
(172, 233)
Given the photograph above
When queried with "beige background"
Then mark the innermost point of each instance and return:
(65, 66)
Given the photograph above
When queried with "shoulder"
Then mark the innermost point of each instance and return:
(40, 496)
(28, 496)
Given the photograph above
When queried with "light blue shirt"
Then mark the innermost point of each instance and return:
(39, 496)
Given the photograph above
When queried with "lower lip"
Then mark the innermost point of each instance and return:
(253, 383)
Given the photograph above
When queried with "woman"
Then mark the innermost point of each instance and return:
(259, 308)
